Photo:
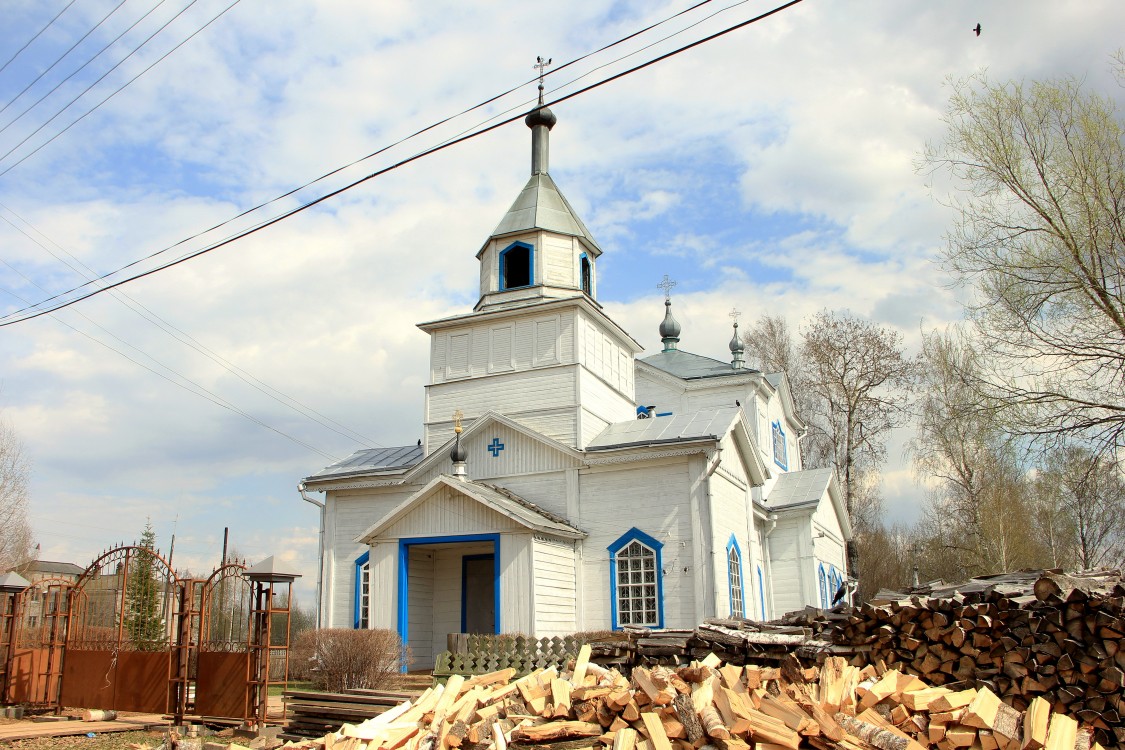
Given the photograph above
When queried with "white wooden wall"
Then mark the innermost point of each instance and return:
(651, 497)
(347, 515)
(729, 513)
(788, 581)
(553, 567)
(421, 606)
(447, 590)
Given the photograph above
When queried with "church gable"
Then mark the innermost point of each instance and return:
(499, 447)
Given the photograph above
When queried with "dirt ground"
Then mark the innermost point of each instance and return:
(110, 741)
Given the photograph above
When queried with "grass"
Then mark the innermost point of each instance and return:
(276, 689)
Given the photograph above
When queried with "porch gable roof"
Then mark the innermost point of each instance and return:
(506, 503)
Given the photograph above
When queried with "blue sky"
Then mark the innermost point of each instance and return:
(772, 170)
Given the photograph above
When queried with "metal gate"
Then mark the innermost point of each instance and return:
(35, 635)
(222, 676)
(126, 611)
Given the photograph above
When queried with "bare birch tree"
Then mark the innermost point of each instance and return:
(15, 528)
(1040, 239)
(1083, 495)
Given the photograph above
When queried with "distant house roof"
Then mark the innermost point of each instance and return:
(688, 366)
(703, 424)
(796, 488)
(54, 568)
(372, 459)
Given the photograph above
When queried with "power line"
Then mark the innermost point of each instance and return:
(60, 59)
(357, 161)
(119, 90)
(37, 34)
(11, 319)
(185, 338)
(82, 67)
(191, 386)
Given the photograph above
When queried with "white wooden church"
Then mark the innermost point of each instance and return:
(566, 483)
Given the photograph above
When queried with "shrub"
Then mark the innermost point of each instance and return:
(338, 659)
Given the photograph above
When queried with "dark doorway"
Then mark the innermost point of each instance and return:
(478, 594)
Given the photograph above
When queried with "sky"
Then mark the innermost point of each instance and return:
(772, 170)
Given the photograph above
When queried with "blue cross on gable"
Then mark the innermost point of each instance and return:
(495, 447)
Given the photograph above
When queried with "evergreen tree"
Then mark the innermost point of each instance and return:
(144, 622)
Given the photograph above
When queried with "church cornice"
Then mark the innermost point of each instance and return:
(697, 450)
(579, 300)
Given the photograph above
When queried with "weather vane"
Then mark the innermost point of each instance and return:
(666, 285)
(541, 66)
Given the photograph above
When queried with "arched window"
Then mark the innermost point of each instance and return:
(587, 278)
(635, 580)
(516, 266)
(823, 587)
(734, 578)
(363, 591)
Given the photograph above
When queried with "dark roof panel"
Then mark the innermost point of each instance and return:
(373, 459)
(688, 366)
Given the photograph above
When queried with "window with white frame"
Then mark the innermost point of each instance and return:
(363, 591)
(734, 578)
(635, 577)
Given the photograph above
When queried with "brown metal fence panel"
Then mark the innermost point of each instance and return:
(88, 678)
(221, 687)
(142, 681)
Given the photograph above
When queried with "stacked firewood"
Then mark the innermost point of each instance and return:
(706, 704)
(1023, 636)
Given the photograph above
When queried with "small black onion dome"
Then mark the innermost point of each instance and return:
(541, 116)
(669, 328)
(457, 453)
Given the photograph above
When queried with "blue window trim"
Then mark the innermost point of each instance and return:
(586, 274)
(823, 580)
(783, 460)
(761, 591)
(359, 563)
(635, 534)
(464, 599)
(732, 542)
(530, 266)
(404, 546)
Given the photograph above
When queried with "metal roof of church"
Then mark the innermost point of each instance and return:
(540, 205)
(799, 488)
(373, 459)
(700, 425)
(688, 366)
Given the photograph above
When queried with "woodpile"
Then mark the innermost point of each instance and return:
(1034, 639)
(707, 704)
(310, 715)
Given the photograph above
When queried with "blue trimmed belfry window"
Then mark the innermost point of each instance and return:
(780, 450)
(363, 591)
(635, 580)
(516, 266)
(587, 276)
(734, 578)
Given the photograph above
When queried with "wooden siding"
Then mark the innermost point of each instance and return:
(521, 455)
(560, 260)
(653, 498)
(517, 595)
(384, 585)
(538, 397)
(547, 490)
(605, 355)
(652, 392)
(347, 516)
(421, 605)
(602, 403)
(449, 513)
(788, 579)
(554, 571)
(729, 507)
(475, 349)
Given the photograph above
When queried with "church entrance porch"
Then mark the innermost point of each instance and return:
(448, 584)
